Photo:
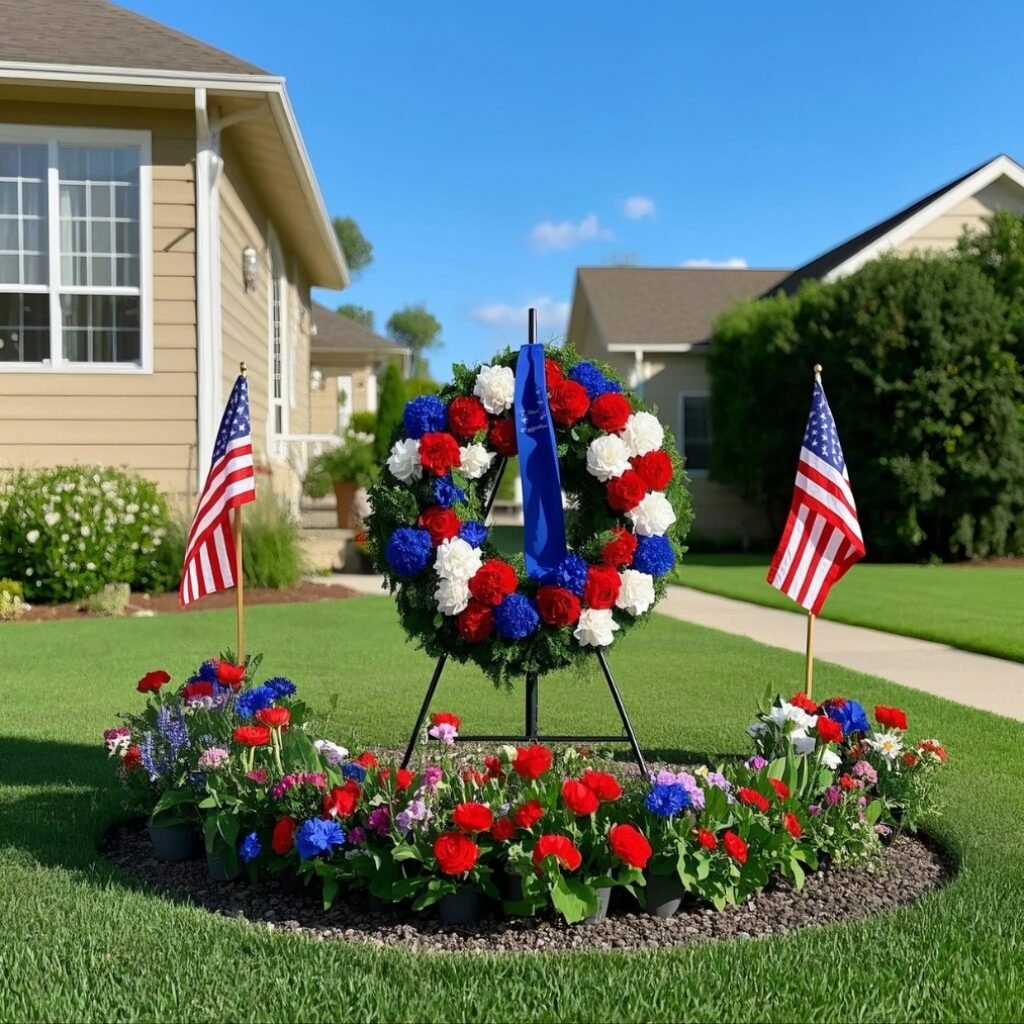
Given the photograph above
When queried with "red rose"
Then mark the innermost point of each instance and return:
(792, 824)
(493, 766)
(441, 523)
(559, 847)
(627, 491)
(568, 402)
(439, 452)
(891, 718)
(630, 846)
(602, 587)
(558, 606)
(532, 762)
(274, 718)
(527, 815)
(152, 681)
(503, 830)
(707, 839)
(621, 549)
(802, 701)
(342, 800)
(367, 760)
(197, 690)
(654, 468)
(284, 832)
(230, 675)
(604, 784)
(752, 798)
(466, 416)
(781, 789)
(828, 730)
(473, 817)
(610, 412)
(132, 759)
(252, 735)
(579, 797)
(493, 582)
(446, 718)
(502, 437)
(735, 847)
(909, 759)
(475, 622)
(456, 854)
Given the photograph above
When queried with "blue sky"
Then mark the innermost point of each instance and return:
(487, 150)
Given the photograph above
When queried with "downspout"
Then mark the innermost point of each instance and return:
(207, 355)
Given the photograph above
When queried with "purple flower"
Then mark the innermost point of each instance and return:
(432, 776)
(833, 795)
(380, 820)
(756, 763)
(357, 836)
(814, 810)
(445, 732)
(864, 770)
(719, 781)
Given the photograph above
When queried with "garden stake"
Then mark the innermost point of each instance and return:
(809, 673)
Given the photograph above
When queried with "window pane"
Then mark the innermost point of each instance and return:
(697, 431)
(73, 163)
(101, 236)
(127, 236)
(101, 164)
(33, 198)
(127, 270)
(35, 269)
(24, 328)
(33, 235)
(103, 346)
(10, 160)
(99, 197)
(34, 159)
(10, 270)
(126, 165)
(76, 346)
(72, 200)
(102, 272)
(73, 270)
(8, 197)
(126, 202)
(8, 235)
(101, 328)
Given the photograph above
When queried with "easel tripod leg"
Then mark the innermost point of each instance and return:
(623, 714)
(424, 708)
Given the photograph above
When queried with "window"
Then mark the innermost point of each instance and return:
(695, 432)
(277, 345)
(74, 241)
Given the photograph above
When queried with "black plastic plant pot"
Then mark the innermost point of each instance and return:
(462, 907)
(175, 842)
(664, 894)
(603, 898)
(217, 869)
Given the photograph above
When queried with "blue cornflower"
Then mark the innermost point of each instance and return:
(516, 618)
(851, 715)
(473, 533)
(654, 556)
(249, 849)
(408, 550)
(171, 725)
(316, 836)
(353, 771)
(666, 799)
(447, 493)
(425, 414)
(256, 699)
(594, 382)
(571, 574)
(279, 687)
(207, 673)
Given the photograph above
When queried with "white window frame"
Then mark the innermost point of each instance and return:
(278, 272)
(697, 474)
(55, 136)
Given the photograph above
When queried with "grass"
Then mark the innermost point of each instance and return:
(976, 608)
(80, 942)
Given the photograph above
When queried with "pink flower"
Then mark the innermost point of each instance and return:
(444, 732)
(258, 775)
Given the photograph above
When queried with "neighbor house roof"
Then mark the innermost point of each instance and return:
(337, 333)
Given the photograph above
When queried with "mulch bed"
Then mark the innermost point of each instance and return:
(909, 869)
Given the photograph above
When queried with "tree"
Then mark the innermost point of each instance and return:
(389, 409)
(360, 314)
(417, 329)
(357, 250)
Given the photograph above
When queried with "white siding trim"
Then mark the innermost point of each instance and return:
(206, 341)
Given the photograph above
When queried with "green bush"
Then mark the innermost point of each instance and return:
(12, 605)
(272, 551)
(416, 386)
(389, 411)
(68, 531)
(353, 461)
(364, 423)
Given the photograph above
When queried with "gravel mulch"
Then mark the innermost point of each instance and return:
(909, 869)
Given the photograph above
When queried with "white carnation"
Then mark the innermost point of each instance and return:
(457, 560)
(404, 461)
(452, 596)
(332, 751)
(496, 387)
(652, 516)
(476, 460)
(831, 760)
(637, 592)
(802, 743)
(596, 627)
(32, 536)
(607, 457)
(643, 433)
(787, 712)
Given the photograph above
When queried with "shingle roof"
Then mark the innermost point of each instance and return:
(94, 33)
(667, 306)
(337, 333)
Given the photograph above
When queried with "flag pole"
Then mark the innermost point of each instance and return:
(239, 575)
(809, 668)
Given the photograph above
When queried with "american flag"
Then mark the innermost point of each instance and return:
(210, 551)
(822, 538)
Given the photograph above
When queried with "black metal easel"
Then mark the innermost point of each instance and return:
(530, 732)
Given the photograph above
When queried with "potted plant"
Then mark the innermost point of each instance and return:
(347, 468)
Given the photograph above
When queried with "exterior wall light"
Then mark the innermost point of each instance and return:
(250, 267)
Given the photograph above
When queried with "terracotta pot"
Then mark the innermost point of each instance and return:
(345, 493)
(462, 907)
(175, 842)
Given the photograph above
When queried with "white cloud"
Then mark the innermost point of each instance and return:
(548, 235)
(638, 207)
(552, 316)
(733, 263)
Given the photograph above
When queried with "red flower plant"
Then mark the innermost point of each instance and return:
(619, 551)
(493, 582)
(527, 815)
(502, 437)
(707, 839)
(532, 762)
(630, 846)
(252, 735)
(342, 800)
(230, 675)
(503, 830)
(655, 469)
(441, 523)
(274, 718)
(931, 747)
(910, 759)
(494, 767)
(456, 853)
(579, 797)
(284, 834)
(602, 587)
(446, 718)
(627, 491)
(735, 847)
(802, 701)
(475, 622)
(552, 374)
(792, 824)
(829, 731)
(152, 681)
(473, 817)
(752, 798)
(559, 847)
(604, 784)
(439, 452)
(132, 759)
(197, 690)
(404, 779)
(891, 718)
(367, 760)
(847, 781)
(610, 411)
(466, 416)
(558, 606)
(568, 402)
(781, 789)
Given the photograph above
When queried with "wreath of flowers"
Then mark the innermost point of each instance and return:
(627, 514)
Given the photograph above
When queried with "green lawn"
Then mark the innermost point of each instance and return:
(80, 942)
(977, 608)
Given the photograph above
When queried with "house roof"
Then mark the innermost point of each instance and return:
(668, 306)
(337, 333)
(94, 33)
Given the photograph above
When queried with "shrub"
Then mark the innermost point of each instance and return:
(389, 412)
(416, 386)
(364, 423)
(111, 601)
(353, 461)
(11, 604)
(272, 555)
(68, 531)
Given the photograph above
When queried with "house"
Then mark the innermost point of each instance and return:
(160, 223)
(654, 324)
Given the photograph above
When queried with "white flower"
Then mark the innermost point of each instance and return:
(607, 457)
(802, 743)
(332, 751)
(476, 460)
(32, 536)
(596, 627)
(653, 516)
(51, 518)
(888, 744)
(457, 560)
(791, 713)
(637, 592)
(452, 596)
(643, 433)
(496, 387)
(831, 760)
(91, 566)
(404, 461)
(756, 729)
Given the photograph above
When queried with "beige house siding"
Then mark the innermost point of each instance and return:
(144, 421)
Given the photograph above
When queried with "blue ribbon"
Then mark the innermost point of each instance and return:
(543, 515)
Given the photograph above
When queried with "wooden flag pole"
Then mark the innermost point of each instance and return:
(239, 574)
(809, 668)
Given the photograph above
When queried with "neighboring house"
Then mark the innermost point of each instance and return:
(654, 324)
(159, 223)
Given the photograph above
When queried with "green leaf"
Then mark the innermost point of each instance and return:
(406, 853)
(573, 899)
(872, 811)
(330, 890)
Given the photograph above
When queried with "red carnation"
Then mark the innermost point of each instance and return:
(439, 452)
(604, 784)
(559, 847)
(252, 735)
(493, 766)
(441, 523)
(621, 549)
(404, 779)
(474, 776)
(781, 789)
(197, 690)
(132, 759)
(802, 701)
(891, 718)
(752, 798)
(284, 833)
(502, 437)
(847, 781)
(473, 817)
(456, 854)
(475, 622)
(627, 491)
(602, 587)
(579, 797)
(568, 402)
(446, 718)
(230, 675)
(792, 824)
(552, 374)
(558, 606)
(909, 759)
(630, 846)
(527, 815)
(274, 718)
(735, 847)
(707, 839)
(152, 681)
(609, 412)
(533, 761)
(931, 747)
(493, 582)
(466, 416)
(829, 731)
(654, 468)
(342, 800)
(367, 760)
(503, 830)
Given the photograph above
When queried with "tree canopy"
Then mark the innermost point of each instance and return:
(360, 314)
(357, 249)
(417, 329)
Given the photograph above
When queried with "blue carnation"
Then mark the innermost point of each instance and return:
(851, 716)
(318, 835)
(249, 849)
(280, 687)
(666, 799)
(446, 493)
(207, 673)
(594, 382)
(425, 415)
(571, 574)
(473, 533)
(353, 771)
(516, 618)
(654, 556)
(251, 701)
(408, 550)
